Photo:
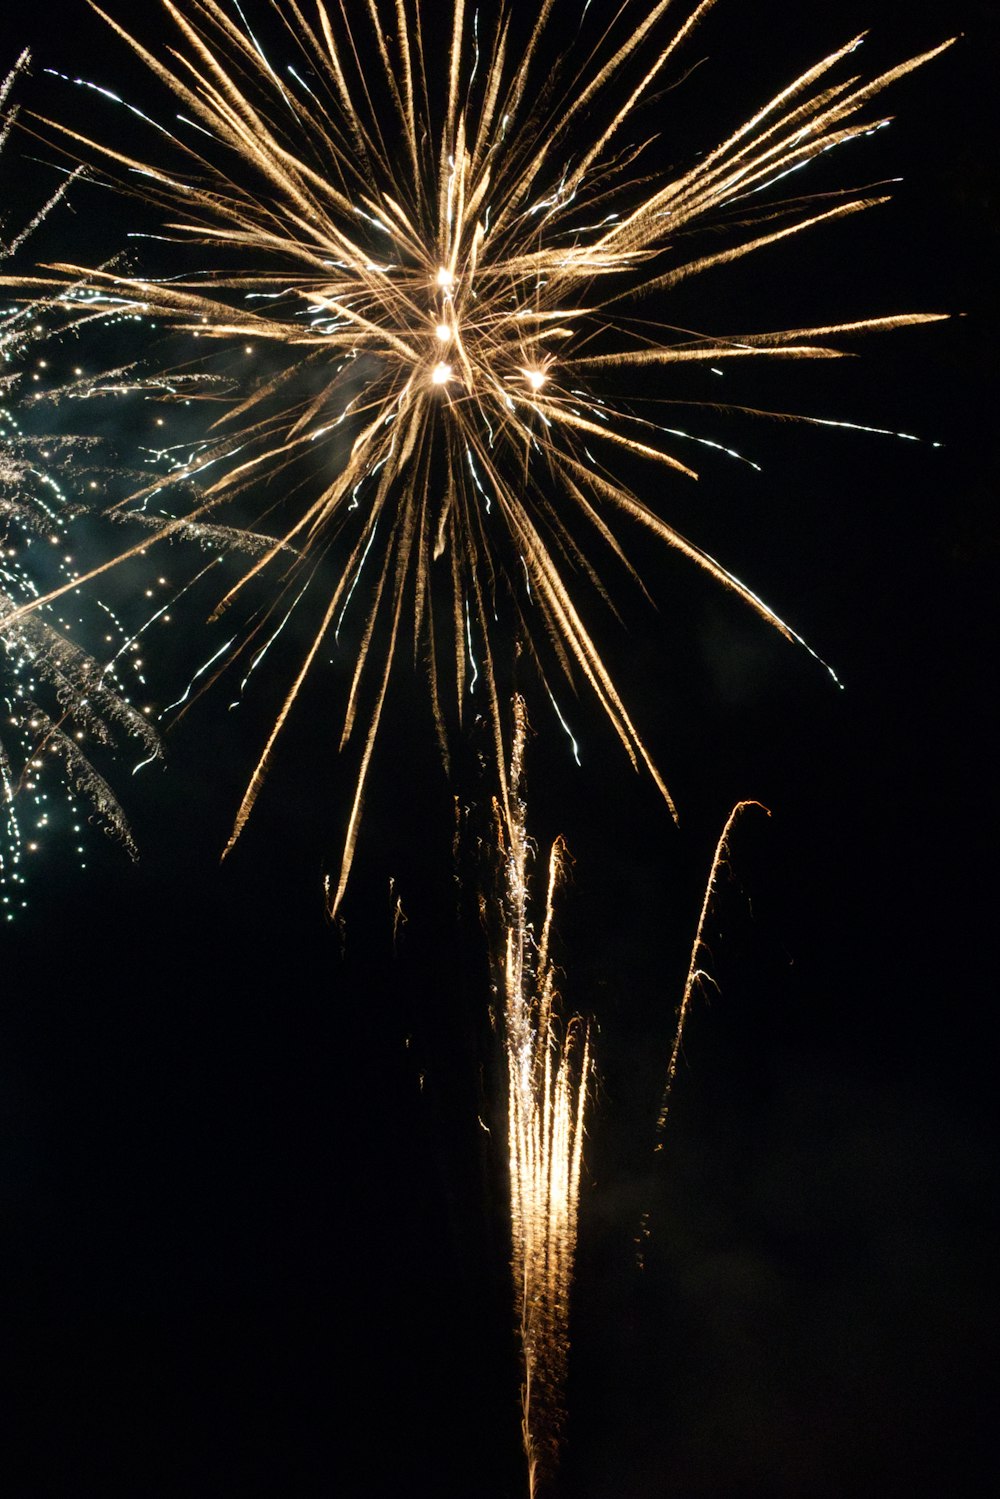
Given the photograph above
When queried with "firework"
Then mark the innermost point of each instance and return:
(696, 974)
(457, 261)
(548, 1066)
(59, 702)
(452, 255)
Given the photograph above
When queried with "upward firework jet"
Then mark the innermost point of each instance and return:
(452, 248)
(548, 1066)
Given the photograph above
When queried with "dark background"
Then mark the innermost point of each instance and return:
(253, 1235)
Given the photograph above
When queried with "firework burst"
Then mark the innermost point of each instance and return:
(451, 250)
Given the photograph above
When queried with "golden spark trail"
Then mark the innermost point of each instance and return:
(696, 974)
(695, 977)
(434, 243)
(548, 1067)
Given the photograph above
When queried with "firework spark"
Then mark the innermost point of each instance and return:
(696, 973)
(59, 701)
(438, 246)
(548, 1066)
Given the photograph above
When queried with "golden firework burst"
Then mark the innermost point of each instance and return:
(437, 242)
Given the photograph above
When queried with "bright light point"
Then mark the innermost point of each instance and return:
(248, 349)
(441, 374)
(442, 333)
(444, 277)
(535, 378)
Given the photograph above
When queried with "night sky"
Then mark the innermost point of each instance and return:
(252, 1225)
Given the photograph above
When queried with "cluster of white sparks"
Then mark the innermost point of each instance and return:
(59, 702)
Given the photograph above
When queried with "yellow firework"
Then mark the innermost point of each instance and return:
(548, 1065)
(450, 243)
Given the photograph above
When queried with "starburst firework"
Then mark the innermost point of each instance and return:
(437, 245)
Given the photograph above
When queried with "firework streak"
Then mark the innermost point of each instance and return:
(548, 1066)
(451, 255)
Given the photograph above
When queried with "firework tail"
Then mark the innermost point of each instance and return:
(548, 1065)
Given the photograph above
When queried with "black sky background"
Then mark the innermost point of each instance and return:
(253, 1235)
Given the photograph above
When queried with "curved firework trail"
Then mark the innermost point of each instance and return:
(451, 253)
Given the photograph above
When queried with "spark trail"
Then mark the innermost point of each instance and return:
(459, 259)
(548, 1068)
(696, 973)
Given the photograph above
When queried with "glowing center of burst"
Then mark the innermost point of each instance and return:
(442, 333)
(441, 374)
(445, 277)
(535, 378)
